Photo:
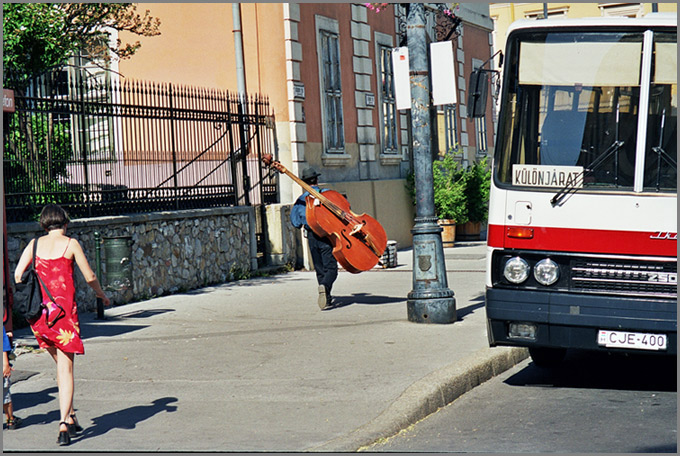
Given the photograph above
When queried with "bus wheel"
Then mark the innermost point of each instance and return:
(547, 357)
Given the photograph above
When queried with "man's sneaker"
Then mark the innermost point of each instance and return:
(322, 301)
(14, 423)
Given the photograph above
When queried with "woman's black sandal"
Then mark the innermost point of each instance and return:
(64, 437)
(74, 428)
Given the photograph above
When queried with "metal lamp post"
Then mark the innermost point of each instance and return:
(430, 301)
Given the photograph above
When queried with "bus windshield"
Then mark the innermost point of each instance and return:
(571, 107)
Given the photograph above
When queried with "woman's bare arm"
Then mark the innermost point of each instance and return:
(24, 261)
(86, 270)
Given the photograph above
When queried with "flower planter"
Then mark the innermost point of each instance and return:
(449, 233)
(468, 231)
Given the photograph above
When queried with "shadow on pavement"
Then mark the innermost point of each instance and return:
(101, 329)
(127, 418)
(467, 310)
(110, 327)
(29, 400)
(591, 369)
(660, 449)
(364, 298)
(142, 314)
(252, 281)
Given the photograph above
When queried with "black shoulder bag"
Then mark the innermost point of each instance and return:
(28, 300)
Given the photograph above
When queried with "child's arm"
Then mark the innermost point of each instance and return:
(6, 368)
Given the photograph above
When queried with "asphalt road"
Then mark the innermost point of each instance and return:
(592, 403)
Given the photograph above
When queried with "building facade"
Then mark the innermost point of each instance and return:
(327, 73)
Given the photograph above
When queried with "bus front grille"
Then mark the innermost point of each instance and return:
(632, 278)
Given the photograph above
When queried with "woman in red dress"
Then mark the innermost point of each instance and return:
(57, 329)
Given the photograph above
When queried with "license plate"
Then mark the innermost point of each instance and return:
(639, 341)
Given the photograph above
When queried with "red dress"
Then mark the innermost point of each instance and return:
(65, 333)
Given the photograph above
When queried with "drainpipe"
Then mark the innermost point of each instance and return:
(238, 47)
(244, 185)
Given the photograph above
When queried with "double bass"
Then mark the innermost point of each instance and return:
(358, 240)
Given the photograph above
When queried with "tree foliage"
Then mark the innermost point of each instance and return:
(38, 159)
(38, 41)
(38, 37)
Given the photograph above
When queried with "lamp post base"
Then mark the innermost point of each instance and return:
(432, 310)
(430, 301)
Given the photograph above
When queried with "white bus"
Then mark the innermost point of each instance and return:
(582, 235)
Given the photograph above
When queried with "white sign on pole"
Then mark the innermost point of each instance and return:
(402, 86)
(443, 73)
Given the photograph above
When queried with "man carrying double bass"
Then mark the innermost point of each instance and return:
(321, 249)
(335, 234)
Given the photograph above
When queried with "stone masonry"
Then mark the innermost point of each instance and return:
(170, 251)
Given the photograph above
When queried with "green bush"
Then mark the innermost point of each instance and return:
(477, 183)
(449, 190)
(459, 194)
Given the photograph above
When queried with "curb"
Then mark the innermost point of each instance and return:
(427, 395)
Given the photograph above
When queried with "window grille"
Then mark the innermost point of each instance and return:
(480, 127)
(94, 135)
(332, 89)
(389, 111)
(450, 129)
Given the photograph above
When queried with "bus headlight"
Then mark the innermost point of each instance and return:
(516, 270)
(546, 272)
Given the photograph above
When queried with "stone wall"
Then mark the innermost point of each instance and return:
(283, 240)
(170, 251)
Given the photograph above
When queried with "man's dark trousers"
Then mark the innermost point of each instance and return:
(325, 264)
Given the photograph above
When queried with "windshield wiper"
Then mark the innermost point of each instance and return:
(574, 185)
(662, 154)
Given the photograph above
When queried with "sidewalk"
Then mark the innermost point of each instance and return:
(255, 366)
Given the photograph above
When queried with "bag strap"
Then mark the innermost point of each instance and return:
(35, 249)
(45, 287)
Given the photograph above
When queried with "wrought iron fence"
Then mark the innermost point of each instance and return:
(98, 146)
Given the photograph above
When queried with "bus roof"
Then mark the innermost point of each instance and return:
(650, 20)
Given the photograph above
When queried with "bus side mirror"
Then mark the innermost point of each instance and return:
(478, 93)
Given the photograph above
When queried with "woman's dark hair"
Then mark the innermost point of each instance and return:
(53, 217)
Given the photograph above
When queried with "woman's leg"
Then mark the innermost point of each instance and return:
(65, 383)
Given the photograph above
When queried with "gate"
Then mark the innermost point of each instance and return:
(97, 146)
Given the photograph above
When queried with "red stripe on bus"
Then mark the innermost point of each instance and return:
(587, 241)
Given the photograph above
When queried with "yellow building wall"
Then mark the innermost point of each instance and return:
(196, 48)
(387, 201)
